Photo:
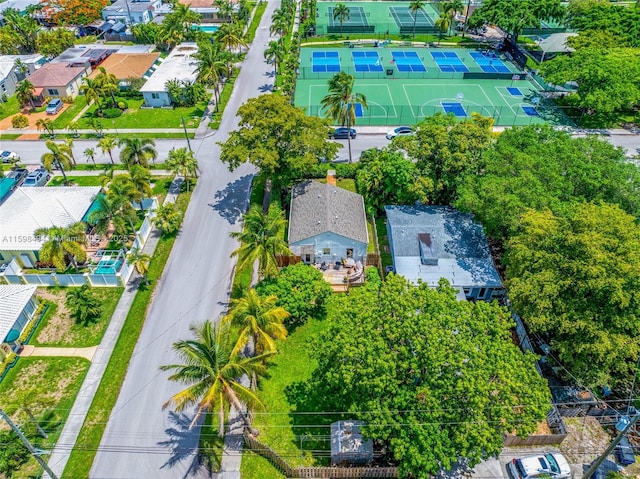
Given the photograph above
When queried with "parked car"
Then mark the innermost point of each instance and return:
(8, 156)
(551, 464)
(400, 131)
(37, 177)
(54, 106)
(624, 452)
(18, 175)
(342, 133)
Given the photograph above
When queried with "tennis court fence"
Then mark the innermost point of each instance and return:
(379, 115)
(381, 29)
(389, 71)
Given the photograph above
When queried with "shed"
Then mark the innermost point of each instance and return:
(348, 445)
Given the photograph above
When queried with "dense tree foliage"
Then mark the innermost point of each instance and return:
(576, 279)
(77, 12)
(538, 167)
(446, 149)
(278, 138)
(18, 33)
(385, 178)
(13, 454)
(301, 291)
(436, 379)
(621, 21)
(513, 17)
(53, 42)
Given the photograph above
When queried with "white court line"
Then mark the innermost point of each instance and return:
(391, 103)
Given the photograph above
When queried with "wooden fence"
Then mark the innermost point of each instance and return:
(310, 472)
(284, 260)
(534, 440)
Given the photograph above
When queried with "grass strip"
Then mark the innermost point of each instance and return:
(257, 15)
(86, 446)
(93, 136)
(216, 118)
(111, 166)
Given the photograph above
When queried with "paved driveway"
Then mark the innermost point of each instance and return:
(142, 441)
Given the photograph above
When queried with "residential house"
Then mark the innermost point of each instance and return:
(327, 223)
(129, 65)
(18, 306)
(209, 12)
(85, 56)
(11, 75)
(178, 65)
(432, 242)
(29, 209)
(57, 80)
(130, 12)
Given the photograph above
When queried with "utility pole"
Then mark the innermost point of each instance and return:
(35, 422)
(596, 464)
(184, 127)
(34, 452)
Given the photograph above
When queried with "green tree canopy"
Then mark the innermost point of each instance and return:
(620, 21)
(385, 178)
(277, 138)
(538, 167)
(302, 292)
(436, 379)
(575, 279)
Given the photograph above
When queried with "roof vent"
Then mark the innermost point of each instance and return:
(428, 254)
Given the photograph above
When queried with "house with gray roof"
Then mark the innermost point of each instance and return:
(327, 223)
(432, 242)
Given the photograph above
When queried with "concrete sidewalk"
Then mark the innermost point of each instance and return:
(33, 351)
(100, 360)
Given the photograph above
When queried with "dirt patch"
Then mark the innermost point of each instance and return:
(60, 322)
(586, 440)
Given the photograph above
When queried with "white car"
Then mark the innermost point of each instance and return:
(400, 131)
(9, 156)
(550, 464)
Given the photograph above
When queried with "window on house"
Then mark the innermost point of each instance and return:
(307, 258)
(52, 91)
(482, 292)
(71, 89)
(326, 250)
(155, 96)
(349, 252)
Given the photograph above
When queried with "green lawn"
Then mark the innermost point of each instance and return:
(11, 107)
(58, 180)
(137, 117)
(117, 166)
(81, 460)
(70, 113)
(57, 329)
(257, 15)
(42, 385)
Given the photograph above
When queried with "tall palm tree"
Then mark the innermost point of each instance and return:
(73, 127)
(67, 147)
(280, 22)
(90, 154)
(45, 124)
(108, 214)
(91, 90)
(443, 23)
(140, 262)
(211, 373)
(182, 162)
(137, 151)
(107, 145)
(341, 13)
(275, 53)
(57, 157)
(340, 102)
(108, 84)
(414, 7)
(141, 180)
(451, 7)
(212, 66)
(259, 319)
(229, 35)
(262, 238)
(63, 244)
(24, 92)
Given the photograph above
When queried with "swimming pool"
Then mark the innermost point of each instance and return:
(206, 28)
(108, 266)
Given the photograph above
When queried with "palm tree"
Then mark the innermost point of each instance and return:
(107, 145)
(280, 22)
(109, 213)
(212, 65)
(73, 127)
(137, 150)
(45, 124)
(451, 7)
(340, 102)
(62, 244)
(24, 92)
(83, 306)
(341, 13)
(140, 262)
(91, 89)
(275, 53)
(67, 147)
(168, 218)
(262, 238)
(259, 319)
(90, 154)
(211, 373)
(182, 162)
(229, 35)
(141, 179)
(414, 7)
(443, 23)
(57, 157)
(108, 84)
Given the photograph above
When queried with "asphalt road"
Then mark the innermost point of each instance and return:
(141, 441)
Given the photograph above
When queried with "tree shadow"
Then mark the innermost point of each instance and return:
(183, 443)
(265, 88)
(232, 201)
(270, 74)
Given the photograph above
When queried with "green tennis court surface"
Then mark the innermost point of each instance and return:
(409, 94)
(376, 17)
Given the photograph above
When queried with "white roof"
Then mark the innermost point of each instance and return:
(8, 63)
(28, 209)
(556, 43)
(179, 64)
(13, 299)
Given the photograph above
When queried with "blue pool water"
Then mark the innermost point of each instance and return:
(206, 28)
(108, 267)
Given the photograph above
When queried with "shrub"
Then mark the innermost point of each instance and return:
(122, 104)
(111, 112)
(19, 121)
(68, 99)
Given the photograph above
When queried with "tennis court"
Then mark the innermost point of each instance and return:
(449, 62)
(408, 95)
(489, 62)
(375, 17)
(323, 62)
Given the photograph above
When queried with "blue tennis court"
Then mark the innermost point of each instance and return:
(449, 62)
(514, 91)
(530, 110)
(325, 62)
(489, 62)
(408, 62)
(358, 109)
(454, 107)
(366, 61)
